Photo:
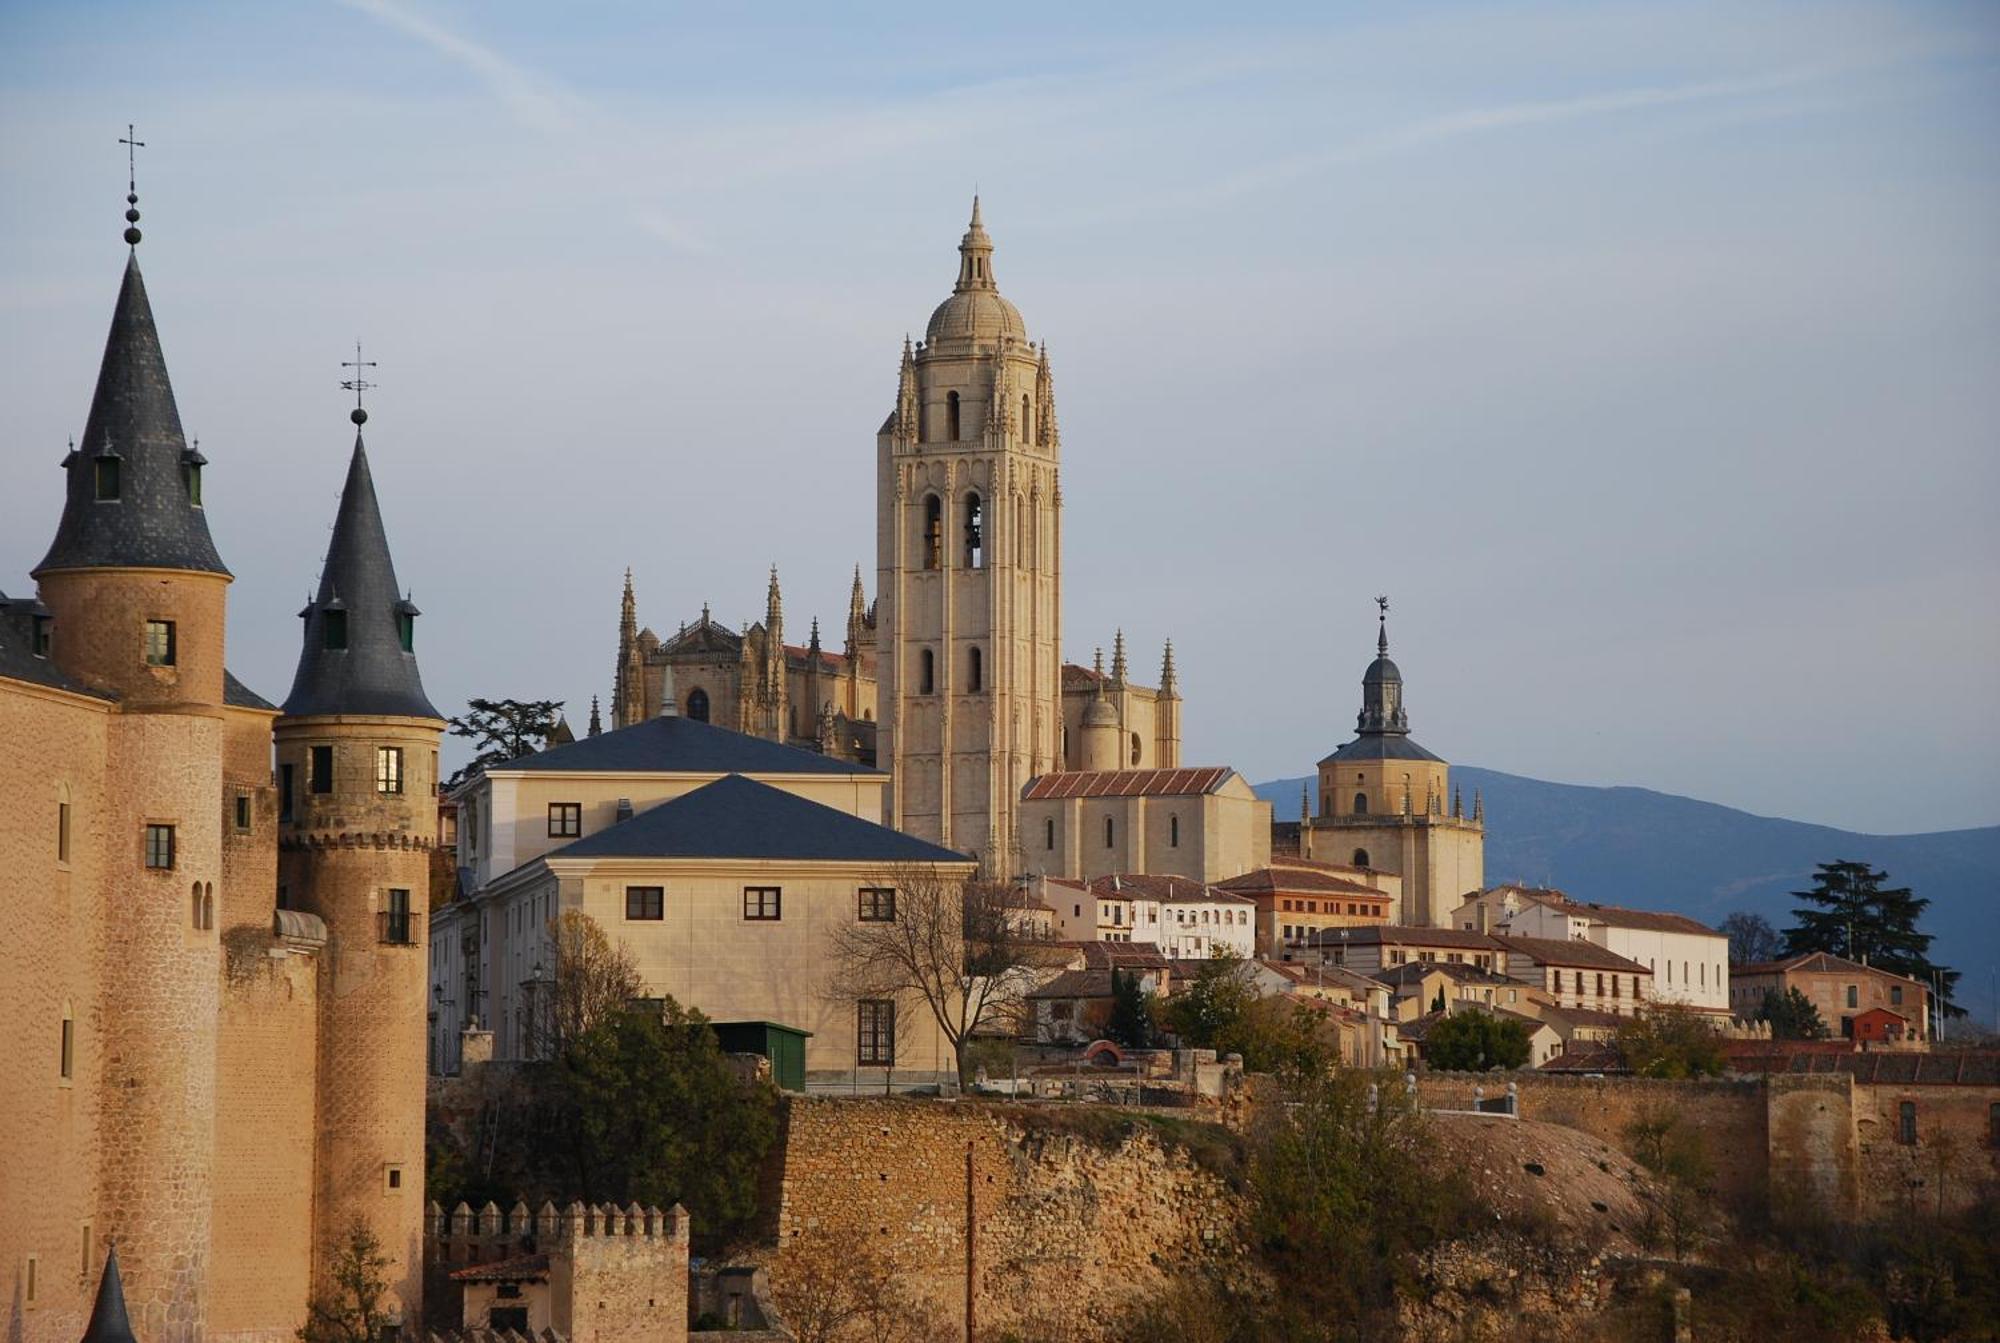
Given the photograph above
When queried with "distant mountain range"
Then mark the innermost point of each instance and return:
(1633, 846)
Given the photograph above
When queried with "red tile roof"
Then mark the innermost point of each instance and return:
(1817, 963)
(1551, 951)
(520, 1268)
(1130, 886)
(1615, 916)
(1282, 878)
(1127, 783)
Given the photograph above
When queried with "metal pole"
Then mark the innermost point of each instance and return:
(970, 1232)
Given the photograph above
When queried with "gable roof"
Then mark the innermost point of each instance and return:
(1128, 783)
(735, 817)
(1390, 934)
(1571, 952)
(1613, 916)
(1166, 889)
(18, 659)
(1817, 963)
(1295, 878)
(674, 745)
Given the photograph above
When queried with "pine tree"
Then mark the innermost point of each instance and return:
(1848, 913)
(1131, 1021)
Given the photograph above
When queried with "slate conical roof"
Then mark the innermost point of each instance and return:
(108, 1322)
(364, 669)
(154, 522)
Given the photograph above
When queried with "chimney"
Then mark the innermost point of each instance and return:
(624, 809)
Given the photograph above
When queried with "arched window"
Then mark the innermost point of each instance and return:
(67, 1055)
(195, 908)
(1361, 858)
(975, 678)
(1027, 421)
(1361, 804)
(1136, 746)
(207, 906)
(933, 532)
(1173, 832)
(951, 416)
(927, 676)
(1108, 832)
(1049, 833)
(975, 532)
(1020, 555)
(697, 705)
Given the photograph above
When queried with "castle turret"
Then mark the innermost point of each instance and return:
(357, 761)
(138, 598)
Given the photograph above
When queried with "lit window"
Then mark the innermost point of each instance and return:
(160, 650)
(645, 902)
(160, 846)
(388, 769)
(761, 903)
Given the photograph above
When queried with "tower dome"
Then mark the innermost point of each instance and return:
(975, 311)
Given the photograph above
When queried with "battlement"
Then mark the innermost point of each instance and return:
(516, 1230)
(292, 838)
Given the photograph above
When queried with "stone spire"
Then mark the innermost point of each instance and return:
(1169, 680)
(1478, 808)
(975, 256)
(1118, 659)
(596, 722)
(133, 496)
(812, 642)
(1305, 803)
(1382, 687)
(359, 652)
(628, 700)
(108, 1321)
(857, 615)
(628, 614)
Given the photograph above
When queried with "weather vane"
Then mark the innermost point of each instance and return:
(133, 144)
(358, 383)
(1383, 602)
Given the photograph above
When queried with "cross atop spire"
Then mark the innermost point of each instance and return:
(358, 383)
(133, 144)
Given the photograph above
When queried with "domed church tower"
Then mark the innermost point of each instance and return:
(1386, 803)
(138, 594)
(969, 554)
(357, 783)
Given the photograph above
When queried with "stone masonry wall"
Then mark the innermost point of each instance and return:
(266, 1065)
(1064, 1224)
(1955, 1158)
(1730, 1115)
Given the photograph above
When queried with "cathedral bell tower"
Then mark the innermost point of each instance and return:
(969, 556)
(357, 751)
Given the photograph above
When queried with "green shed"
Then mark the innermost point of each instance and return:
(784, 1045)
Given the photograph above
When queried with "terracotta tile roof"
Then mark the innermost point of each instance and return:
(1584, 1016)
(1286, 879)
(1415, 972)
(1615, 916)
(1322, 976)
(520, 1268)
(1089, 983)
(1879, 1067)
(1554, 951)
(1590, 1058)
(1127, 783)
(1396, 935)
(1123, 955)
(1817, 963)
(1167, 889)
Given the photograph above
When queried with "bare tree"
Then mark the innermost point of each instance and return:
(959, 948)
(594, 978)
(840, 1287)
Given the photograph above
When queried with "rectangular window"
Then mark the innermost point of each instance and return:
(68, 1056)
(284, 792)
(62, 832)
(875, 1033)
(395, 1177)
(88, 1263)
(1853, 995)
(761, 902)
(398, 926)
(1895, 995)
(30, 1278)
(406, 631)
(160, 846)
(565, 820)
(333, 629)
(878, 904)
(388, 769)
(645, 902)
(322, 769)
(1906, 1123)
(107, 478)
(243, 811)
(160, 650)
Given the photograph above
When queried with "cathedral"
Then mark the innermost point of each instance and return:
(952, 679)
(212, 992)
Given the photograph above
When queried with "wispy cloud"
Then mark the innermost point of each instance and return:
(535, 100)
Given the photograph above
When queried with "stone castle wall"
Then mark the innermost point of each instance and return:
(1955, 1158)
(1729, 1114)
(266, 1069)
(1062, 1222)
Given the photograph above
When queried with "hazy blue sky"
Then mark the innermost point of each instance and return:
(1647, 356)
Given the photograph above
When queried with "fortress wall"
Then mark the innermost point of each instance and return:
(266, 1066)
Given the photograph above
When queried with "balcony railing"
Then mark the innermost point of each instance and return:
(397, 927)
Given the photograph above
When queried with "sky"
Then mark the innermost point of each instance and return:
(1647, 357)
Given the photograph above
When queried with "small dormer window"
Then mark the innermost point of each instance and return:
(192, 472)
(107, 479)
(41, 635)
(334, 629)
(406, 631)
